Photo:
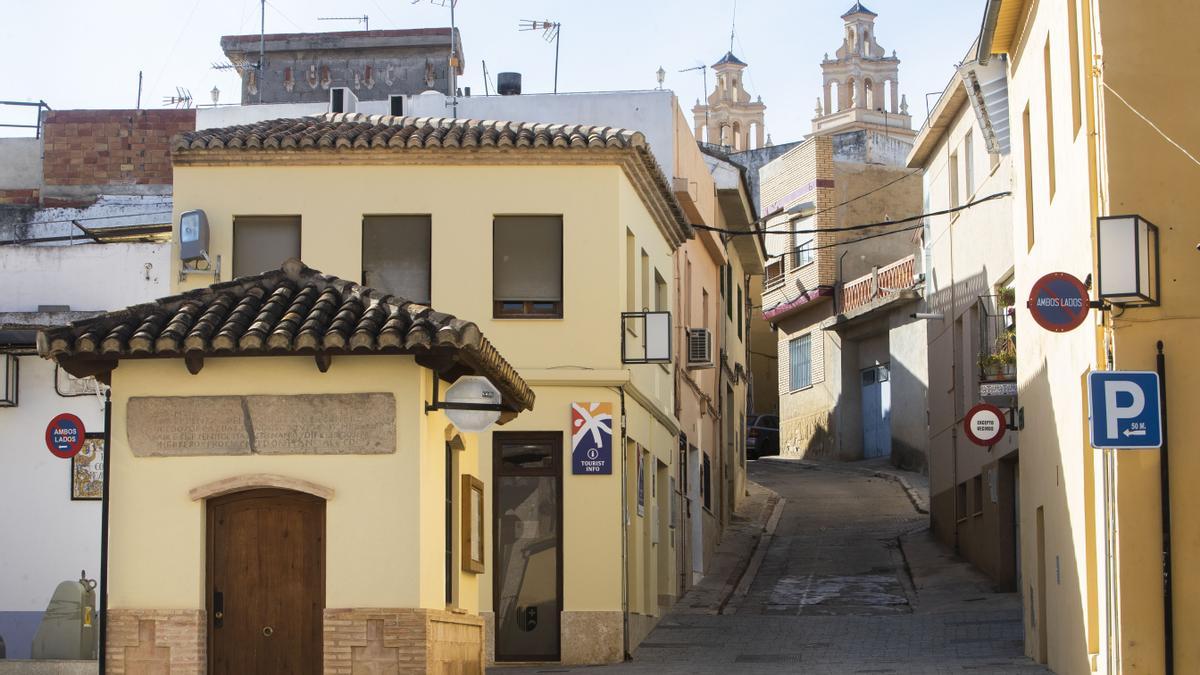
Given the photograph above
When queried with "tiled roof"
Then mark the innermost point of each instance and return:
(354, 131)
(858, 8)
(292, 310)
(729, 58)
(357, 132)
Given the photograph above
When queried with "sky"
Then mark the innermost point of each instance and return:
(87, 54)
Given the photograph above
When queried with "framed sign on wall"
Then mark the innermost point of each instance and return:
(472, 524)
(87, 469)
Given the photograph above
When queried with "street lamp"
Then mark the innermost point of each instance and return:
(1128, 265)
(216, 94)
(662, 76)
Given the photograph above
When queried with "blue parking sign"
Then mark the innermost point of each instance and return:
(1125, 409)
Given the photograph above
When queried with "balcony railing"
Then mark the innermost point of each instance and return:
(882, 281)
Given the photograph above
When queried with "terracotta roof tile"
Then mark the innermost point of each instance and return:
(294, 310)
(357, 132)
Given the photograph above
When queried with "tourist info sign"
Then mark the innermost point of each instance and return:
(591, 438)
(64, 435)
(1059, 302)
(1125, 409)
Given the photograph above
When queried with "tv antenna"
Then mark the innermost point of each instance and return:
(262, 49)
(551, 32)
(181, 99)
(704, 76)
(364, 19)
(454, 55)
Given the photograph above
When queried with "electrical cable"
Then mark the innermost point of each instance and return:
(864, 226)
(122, 215)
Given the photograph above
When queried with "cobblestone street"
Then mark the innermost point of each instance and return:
(849, 581)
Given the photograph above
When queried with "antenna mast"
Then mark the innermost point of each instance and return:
(704, 75)
(551, 30)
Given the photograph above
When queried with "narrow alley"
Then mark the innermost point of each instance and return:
(845, 580)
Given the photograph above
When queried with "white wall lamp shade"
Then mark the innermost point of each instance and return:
(655, 343)
(1128, 265)
(472, 390)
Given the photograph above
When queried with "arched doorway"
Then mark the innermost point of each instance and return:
(265, 576)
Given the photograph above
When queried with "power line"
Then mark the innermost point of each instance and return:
(868, 193)
(864, 226)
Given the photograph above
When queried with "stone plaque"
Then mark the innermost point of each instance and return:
(304, 424)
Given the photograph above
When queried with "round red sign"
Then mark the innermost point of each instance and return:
(985, 424)
(64, 435)
(1059, 302)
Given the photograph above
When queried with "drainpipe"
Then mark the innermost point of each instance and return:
(1165, 479)
(624, 532)
(988, 31)
(101, 657)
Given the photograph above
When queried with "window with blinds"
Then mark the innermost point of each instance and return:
(527, 267)
(262, 243)
(800, 362)
(396, 254)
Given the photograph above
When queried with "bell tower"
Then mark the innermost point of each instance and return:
(728, 114)
(861, 83)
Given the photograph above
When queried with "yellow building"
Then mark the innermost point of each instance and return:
(541, 233)
(1103, 123)
(306, 513)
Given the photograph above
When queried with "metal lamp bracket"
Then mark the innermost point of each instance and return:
(209, 268)
(448, 405)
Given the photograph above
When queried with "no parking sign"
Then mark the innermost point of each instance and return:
(64, 435)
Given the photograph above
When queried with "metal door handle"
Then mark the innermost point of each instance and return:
(268, 631)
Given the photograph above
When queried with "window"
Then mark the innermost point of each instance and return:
(968, 166)
(645, 281)
(800, 362)
(805, 253)
(704, 307)
(1028, 151)
(960, 503)
(977, 496)
(262, 243)
(396, 254)
(661, 304)
(706, 481)
(630, 272)
(739, 312)
(527, 266)
(952, 169)
(774, 272)
(1049, 118)
(729, 291)
(396, 105)
(1073, 32)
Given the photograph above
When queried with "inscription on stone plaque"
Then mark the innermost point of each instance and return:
(302, 424)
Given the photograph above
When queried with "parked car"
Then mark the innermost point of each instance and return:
(762, 436)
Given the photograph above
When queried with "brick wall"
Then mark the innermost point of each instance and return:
(19, 197)
(148, 641)
(402, 640)
(111, 147)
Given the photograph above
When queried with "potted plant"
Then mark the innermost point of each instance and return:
(1006, 297)
(990, 367)
(1004, 354)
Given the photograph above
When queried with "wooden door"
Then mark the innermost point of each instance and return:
(266, 582)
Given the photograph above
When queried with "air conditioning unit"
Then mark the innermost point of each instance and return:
(699, 348)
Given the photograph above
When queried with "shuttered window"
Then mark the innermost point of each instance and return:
(262, 243)
(396, 253)
(800, 362)
(527, 267)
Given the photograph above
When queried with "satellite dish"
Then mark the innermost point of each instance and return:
(472, 390)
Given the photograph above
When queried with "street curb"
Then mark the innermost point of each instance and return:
(734, 581)
(756, 559)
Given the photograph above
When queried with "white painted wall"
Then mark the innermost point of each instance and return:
(86, 277)
(45, 538)
(651, 112)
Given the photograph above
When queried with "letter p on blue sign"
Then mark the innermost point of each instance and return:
(1125, 409)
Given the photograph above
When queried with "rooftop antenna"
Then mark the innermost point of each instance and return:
(364, 19)
(181, 99)
(262, 49)
(551, 30)
(454, 57)
(704, 75)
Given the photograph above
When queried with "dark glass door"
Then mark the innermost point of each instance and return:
(528, 539)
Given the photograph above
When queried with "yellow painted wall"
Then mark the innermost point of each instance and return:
(157, 540)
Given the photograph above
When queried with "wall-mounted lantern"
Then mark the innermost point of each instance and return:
(472, 403)
(1128, 266)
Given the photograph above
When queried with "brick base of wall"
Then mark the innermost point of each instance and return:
(402, 640)
(20, 197)
(152, 641)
